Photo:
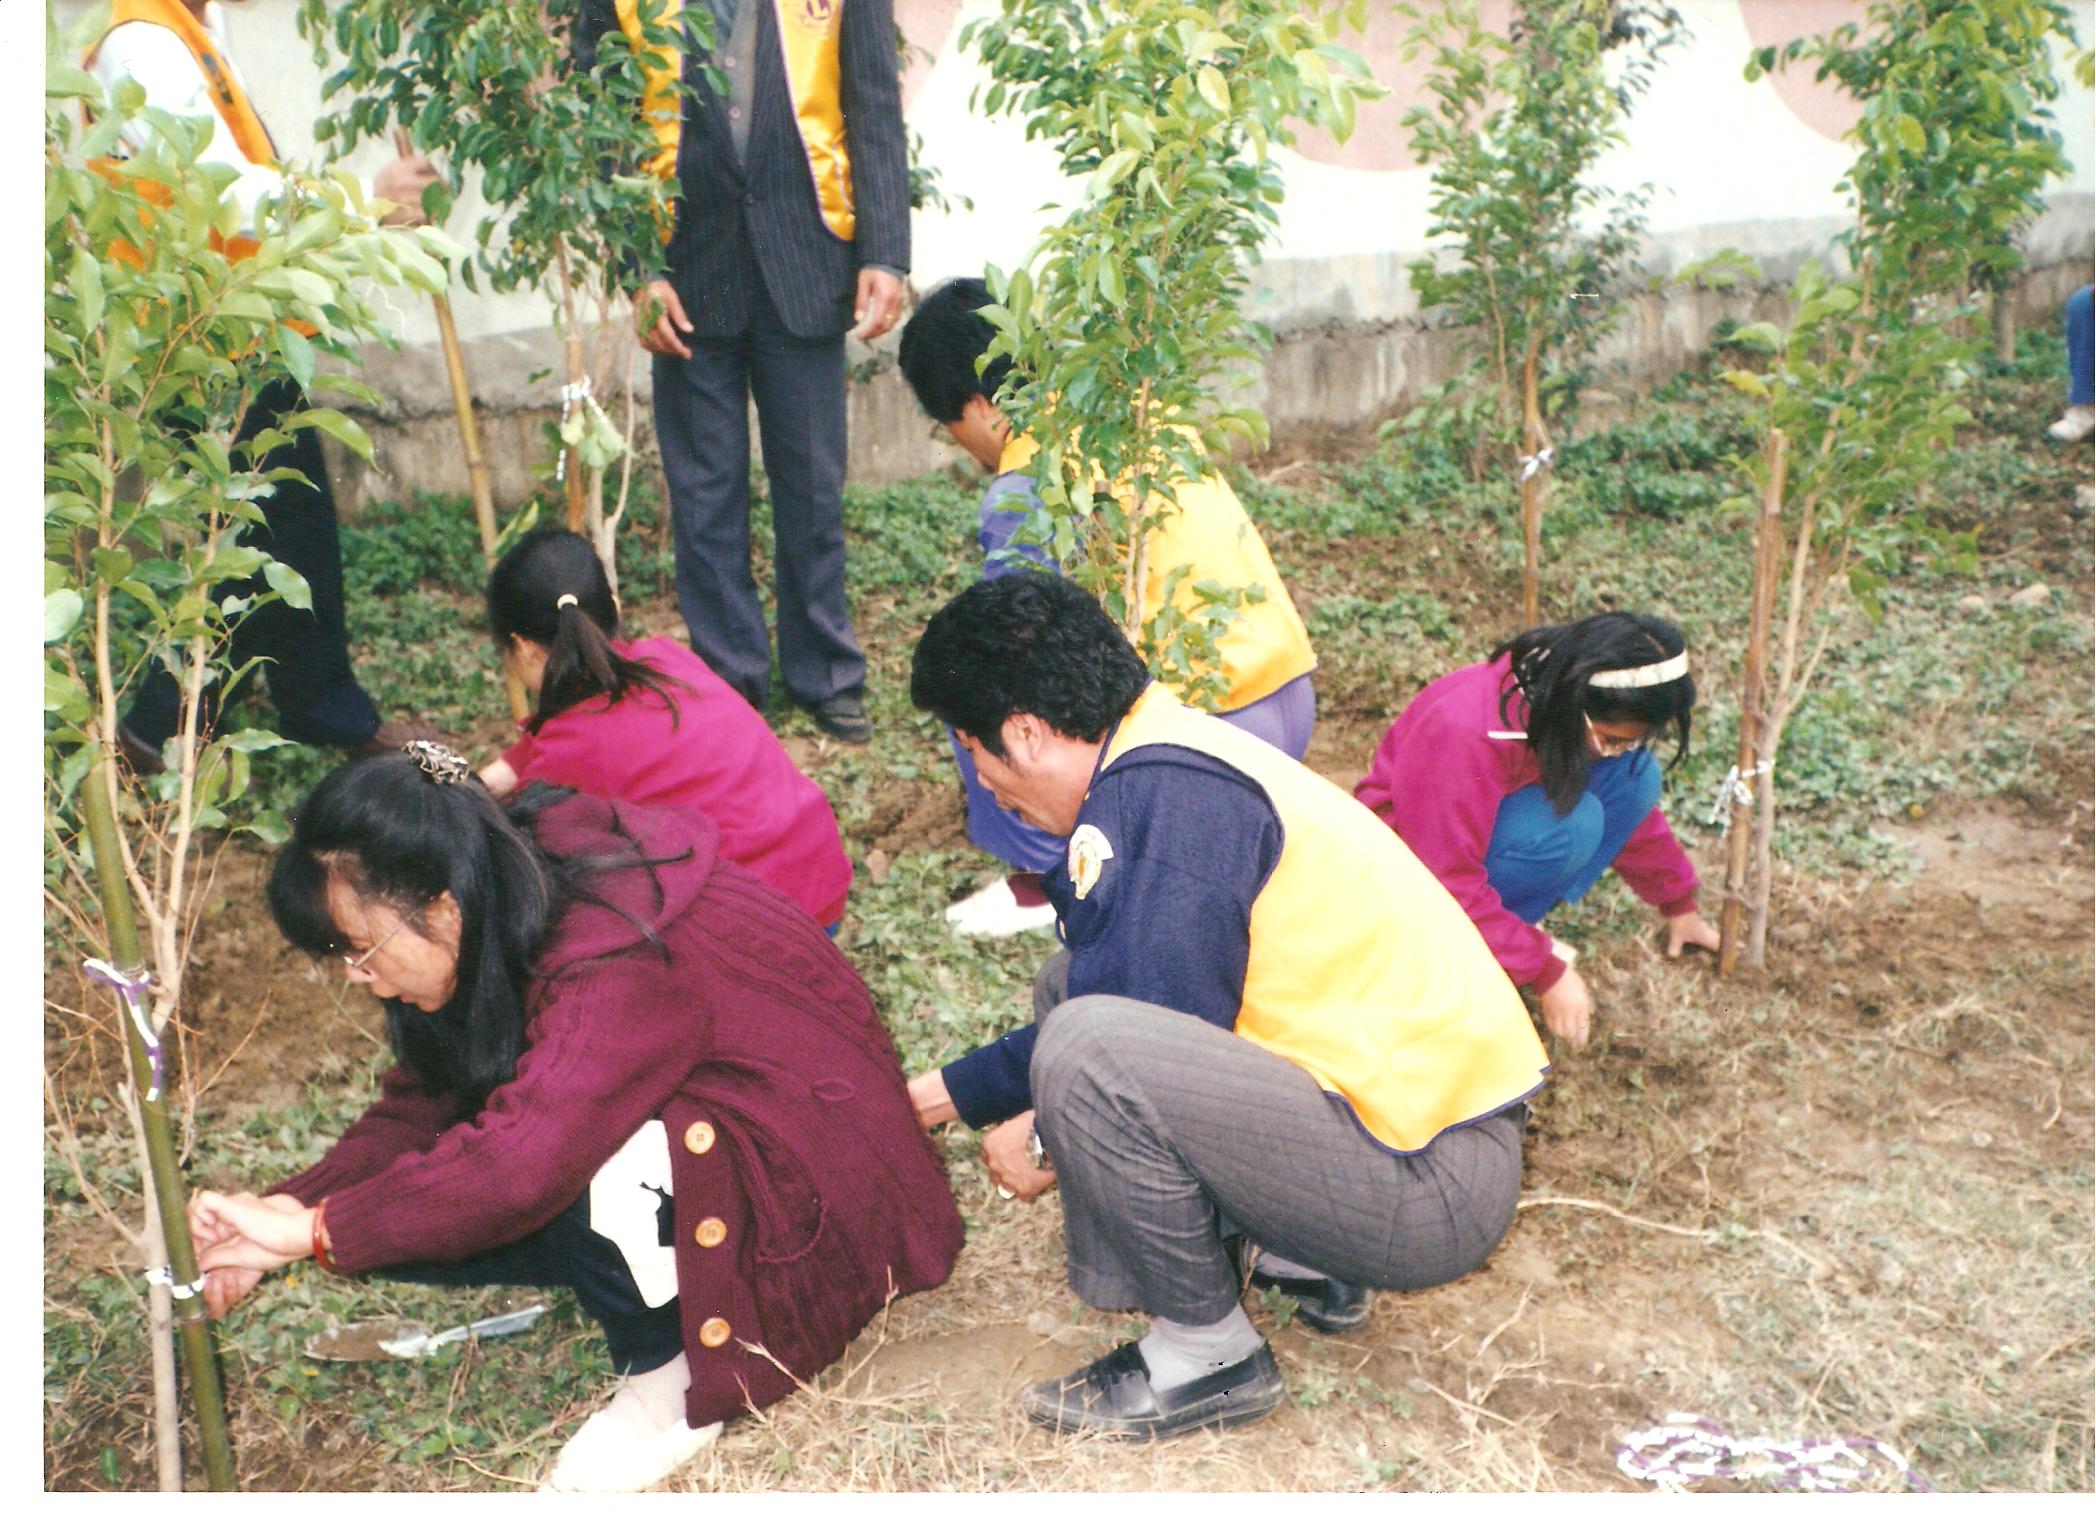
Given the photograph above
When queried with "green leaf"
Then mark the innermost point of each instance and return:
(249, 740)
(1909, 133)
(288, 584)
(297, 354)
(1209, 81)
(62, 610)
(1746, 380)
(84, 279)
(336, 426)
(1763, 336)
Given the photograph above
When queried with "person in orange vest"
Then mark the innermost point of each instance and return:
(177, 52)
(792, 225)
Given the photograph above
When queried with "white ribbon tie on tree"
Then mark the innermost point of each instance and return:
(1736, 788)
(571, 396)
(1542, 459)
(132, 990)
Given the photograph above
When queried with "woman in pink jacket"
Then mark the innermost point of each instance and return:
(648, 722)
(1519, 781)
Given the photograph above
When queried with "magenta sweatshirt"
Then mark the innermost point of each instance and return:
(718, 758)
(1438, 778)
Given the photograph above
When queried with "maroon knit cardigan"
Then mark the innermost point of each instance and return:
(805, 1195)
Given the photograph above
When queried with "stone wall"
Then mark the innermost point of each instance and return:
(1728, 163)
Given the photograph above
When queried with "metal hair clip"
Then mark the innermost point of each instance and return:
(441, 763)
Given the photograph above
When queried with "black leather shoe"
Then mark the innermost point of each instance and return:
(143, 758)
(842, 717)
(1324, 1303)
(1113, 1397)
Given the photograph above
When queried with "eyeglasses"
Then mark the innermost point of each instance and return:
(357, 962)
(1609, 749)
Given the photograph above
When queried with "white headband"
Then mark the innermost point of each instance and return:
(1642, 675)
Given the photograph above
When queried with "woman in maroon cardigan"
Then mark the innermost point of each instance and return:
(622, 1066)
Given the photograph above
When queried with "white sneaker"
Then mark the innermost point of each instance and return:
(608, 1456)
(2075, 424)
(996, 913)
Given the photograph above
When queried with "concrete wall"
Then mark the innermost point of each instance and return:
(1728, 163)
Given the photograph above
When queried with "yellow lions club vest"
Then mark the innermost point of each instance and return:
(230, 100)
(1363, 970)
(808, 33)
(1263, 647)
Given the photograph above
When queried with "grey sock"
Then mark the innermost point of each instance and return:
(1271, 1264)
(1179, 1353)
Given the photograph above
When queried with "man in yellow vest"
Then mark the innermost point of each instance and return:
(175, 50)
(792, 225)
(1270, 1023)
(1265, 650)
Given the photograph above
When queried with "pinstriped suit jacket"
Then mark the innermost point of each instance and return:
(764, 210)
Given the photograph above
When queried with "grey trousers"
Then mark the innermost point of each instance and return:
(1165, 1132)
(702, 426)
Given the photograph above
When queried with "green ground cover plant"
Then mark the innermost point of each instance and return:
(1851, 1191)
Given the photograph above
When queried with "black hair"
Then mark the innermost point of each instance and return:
(940, 346)
(391, 834)
(1554, 668)
(524, 601)
(1028, 642)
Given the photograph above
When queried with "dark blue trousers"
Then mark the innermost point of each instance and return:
(568, 1254)
(2081, 348)
(702, 425)
(305, 653)
(1538, 859)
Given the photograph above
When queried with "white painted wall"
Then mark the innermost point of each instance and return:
(1730, 163)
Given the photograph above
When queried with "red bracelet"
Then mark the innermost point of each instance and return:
(320, 1250)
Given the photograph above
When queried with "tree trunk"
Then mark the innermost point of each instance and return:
(578, 374)
(1768, 544)
(198, 1354)
(1764, 842)
(1533, 485)
(2004, 313)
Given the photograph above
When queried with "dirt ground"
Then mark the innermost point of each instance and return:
(1730, 1168)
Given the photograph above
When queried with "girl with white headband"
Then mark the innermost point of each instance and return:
(1518, 781)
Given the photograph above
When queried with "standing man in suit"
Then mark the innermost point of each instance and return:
(792, 225)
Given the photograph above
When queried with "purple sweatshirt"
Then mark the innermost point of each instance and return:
(805, 1194)
(1438, 778)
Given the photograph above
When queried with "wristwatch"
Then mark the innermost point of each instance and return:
(1035, 1151)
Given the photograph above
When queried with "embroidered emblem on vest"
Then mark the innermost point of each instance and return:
(1089, 853)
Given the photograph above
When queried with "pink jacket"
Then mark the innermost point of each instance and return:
(1438, 778)
(718, 758)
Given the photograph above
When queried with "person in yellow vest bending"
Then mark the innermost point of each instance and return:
(176, 51)
(1271, 1023)
(1265, 650)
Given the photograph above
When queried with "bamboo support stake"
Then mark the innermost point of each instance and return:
(1768, 547)
(199, 1356)
(469, 442)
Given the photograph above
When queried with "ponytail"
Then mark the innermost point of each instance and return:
(550, 589)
